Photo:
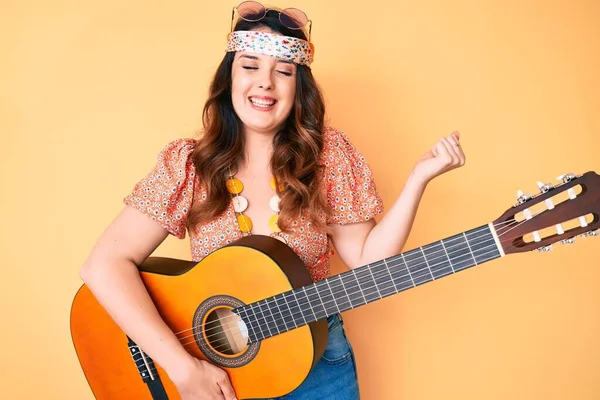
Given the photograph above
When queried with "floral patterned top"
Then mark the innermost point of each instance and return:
(166, 193)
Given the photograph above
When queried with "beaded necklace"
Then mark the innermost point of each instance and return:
(240, 203)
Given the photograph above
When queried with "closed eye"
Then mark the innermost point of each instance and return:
(286, 73)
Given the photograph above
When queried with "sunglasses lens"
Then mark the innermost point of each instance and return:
(293, 18)
(251, 11)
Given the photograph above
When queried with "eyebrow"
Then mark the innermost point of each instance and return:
(256, 58)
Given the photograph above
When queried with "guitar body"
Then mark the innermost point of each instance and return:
(189, 296)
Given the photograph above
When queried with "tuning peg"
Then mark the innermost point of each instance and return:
(522, 197)
(545, 249)
(544, 187)
(566, 177)
(591, 233)
(528, 216)
(570, 240)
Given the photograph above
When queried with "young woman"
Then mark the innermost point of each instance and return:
(266, 164)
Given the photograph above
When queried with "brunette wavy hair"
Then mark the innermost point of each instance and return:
(297, 146)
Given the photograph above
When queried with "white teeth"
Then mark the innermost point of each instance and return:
(261, 102)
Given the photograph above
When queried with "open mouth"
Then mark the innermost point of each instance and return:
(262, 102)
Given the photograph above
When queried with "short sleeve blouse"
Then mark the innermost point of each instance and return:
(166, 194)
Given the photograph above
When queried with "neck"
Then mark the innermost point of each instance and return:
(258, 151)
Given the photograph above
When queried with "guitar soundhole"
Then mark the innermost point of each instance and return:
(221, 334)
(225, 332)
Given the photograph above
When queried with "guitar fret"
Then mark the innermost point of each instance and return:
(438, 262)
(407, 270)
(375, 282)
(326, 296)
(299, 308)
(390, 274)
(269, 322)
(291, 316)
(276, 315)
(426, 263)
(302, 291)
(344, 288)
(369, 291)
(273, 313)
(383, 280)
(470, 251)
(281, 307)
(404, 279)
(321, 300)
(481, 245)
(259, 325)
(332, 296)
(398, 273)
(246, 319)
(369, 283)
(416, 267)
(312, 310)
(459, 253)
(350, 284)
(280, 317)
(252, 323)
(318, 309)
(359, 288)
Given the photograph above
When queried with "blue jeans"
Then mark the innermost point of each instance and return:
(334, 377)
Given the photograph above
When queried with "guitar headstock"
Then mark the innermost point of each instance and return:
(558, 213)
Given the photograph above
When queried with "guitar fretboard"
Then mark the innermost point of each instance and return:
(369, 283)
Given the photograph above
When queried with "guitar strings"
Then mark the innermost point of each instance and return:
(335, 288)
(276, 313)
(300, 304)
(414, 273)
(507, 225)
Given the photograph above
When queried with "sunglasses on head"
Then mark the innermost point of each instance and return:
(253, 11)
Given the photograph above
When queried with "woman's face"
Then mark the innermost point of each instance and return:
(262, 91)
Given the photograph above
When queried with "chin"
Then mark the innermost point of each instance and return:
(260, 126)
(265, 129)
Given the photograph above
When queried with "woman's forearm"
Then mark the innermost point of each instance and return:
(119, 289)
(390, 234)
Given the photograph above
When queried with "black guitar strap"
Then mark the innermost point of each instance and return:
(157, 390)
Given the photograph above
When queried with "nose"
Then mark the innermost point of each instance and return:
(265, 79)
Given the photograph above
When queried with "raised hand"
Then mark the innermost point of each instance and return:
(444, 156)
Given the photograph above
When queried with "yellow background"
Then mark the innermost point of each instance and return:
(92, 90)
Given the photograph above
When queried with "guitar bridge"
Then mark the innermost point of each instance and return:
(144, 364)
(147, 370)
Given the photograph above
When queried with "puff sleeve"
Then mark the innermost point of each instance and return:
(165, 194)
(351, 192)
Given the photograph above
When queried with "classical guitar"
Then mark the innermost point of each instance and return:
(252, 309)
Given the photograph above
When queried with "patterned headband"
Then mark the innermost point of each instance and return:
(286, 48)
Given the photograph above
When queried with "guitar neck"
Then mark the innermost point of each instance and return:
(369, 283)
